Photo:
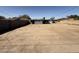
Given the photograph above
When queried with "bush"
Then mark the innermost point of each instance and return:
(13, 23)
(75, 17)
(2, 17)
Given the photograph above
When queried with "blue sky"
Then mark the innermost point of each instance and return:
(39, 11)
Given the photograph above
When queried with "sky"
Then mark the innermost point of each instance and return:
(37, 12)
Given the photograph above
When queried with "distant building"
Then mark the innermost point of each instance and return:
(42, 21)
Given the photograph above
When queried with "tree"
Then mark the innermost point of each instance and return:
(75, 17)
(24, 17)
(44, 21)
(2, 17)
(43, 18)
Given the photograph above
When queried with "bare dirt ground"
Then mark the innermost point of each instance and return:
(41, 38)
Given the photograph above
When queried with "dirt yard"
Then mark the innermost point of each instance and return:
(41, 38)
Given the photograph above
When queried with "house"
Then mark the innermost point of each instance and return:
(41, 21)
